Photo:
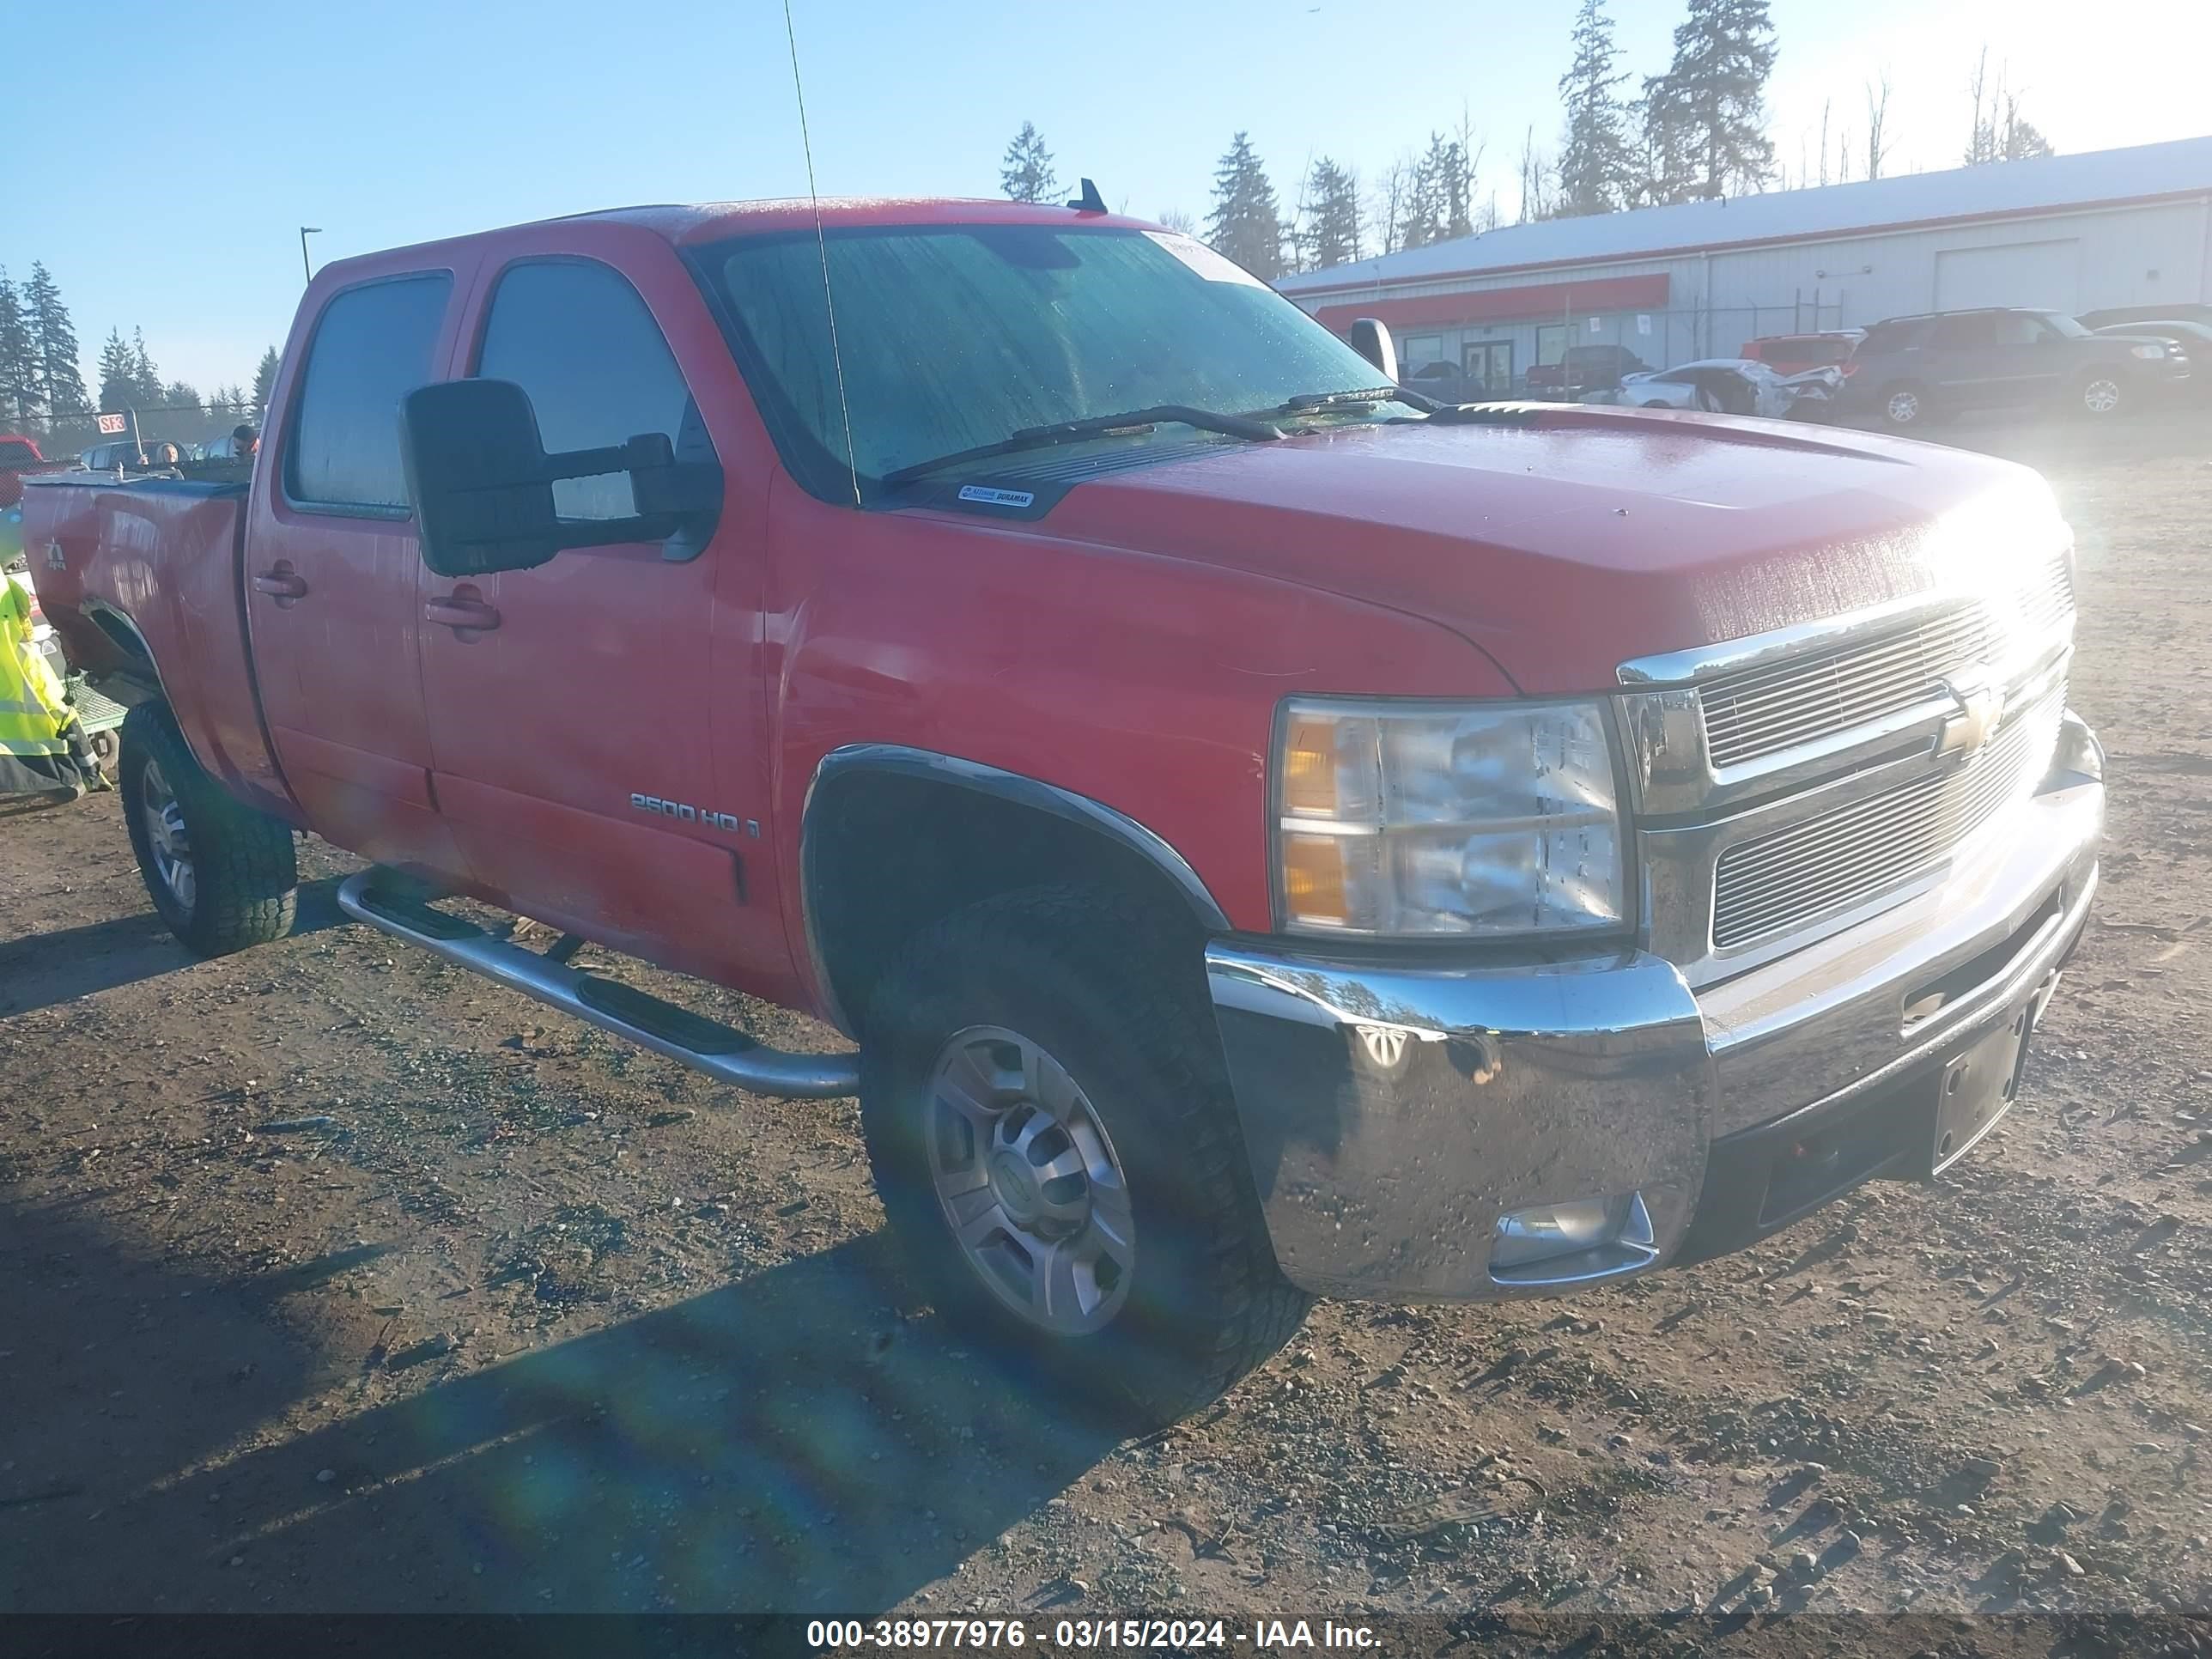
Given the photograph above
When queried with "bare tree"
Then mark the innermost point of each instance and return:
(2000, 131)
(1877, 145)
(1825, 103)
(1537, 176)
(1177, 219)
(1388, 205)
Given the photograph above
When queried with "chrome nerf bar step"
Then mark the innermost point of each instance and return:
(721, 1051)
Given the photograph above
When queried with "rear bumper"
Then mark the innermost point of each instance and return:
(1397, 1107)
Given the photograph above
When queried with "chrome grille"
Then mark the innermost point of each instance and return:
(1850, 853)
(1759, 712)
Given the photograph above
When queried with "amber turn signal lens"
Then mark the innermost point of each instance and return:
(1313, 878)
(1309, 766)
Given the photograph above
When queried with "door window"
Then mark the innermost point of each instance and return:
(1968, 333)
(373, 345)
(577, 338)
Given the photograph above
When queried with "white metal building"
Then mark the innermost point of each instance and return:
(2069, 233)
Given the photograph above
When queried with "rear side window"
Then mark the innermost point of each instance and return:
(373, 345)
(579, 341)
(15, 452)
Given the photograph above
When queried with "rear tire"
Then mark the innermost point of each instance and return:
(220, 875)
(1069, 1007)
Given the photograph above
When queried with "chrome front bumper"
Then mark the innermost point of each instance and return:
(1397, 1105)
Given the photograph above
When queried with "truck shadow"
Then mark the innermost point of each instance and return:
(778, 1444)
(42, 969)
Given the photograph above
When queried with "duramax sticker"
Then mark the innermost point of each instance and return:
(996, 497)
(1203, 259)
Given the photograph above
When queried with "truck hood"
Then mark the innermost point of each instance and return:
(1566, 540)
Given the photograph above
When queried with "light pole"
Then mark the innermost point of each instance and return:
(305, 231)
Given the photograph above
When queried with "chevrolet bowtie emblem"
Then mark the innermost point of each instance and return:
(1979, 711)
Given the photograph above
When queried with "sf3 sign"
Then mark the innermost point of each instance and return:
(114, 425)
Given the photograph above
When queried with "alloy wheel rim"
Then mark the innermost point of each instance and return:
(165, 836)
(2102, 397)
(1029, 1181)
(1904, 406)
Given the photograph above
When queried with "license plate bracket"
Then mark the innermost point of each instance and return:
(1978, 1086)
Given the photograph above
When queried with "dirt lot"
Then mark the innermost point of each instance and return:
(333, 1279)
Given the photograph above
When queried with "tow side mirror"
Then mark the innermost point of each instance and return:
(481, 483)
(1371, 338)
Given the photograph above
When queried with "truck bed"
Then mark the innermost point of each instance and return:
(168, 552)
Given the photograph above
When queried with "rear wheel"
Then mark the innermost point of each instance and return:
(2102, 394)
(1904, 405)
(1056, 1147)
(220, 875)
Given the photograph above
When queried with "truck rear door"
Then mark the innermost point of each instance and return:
(332, 568)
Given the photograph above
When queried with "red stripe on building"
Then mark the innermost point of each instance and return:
(1498, 305)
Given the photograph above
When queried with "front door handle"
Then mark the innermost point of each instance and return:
(281, 582)
(462, 610)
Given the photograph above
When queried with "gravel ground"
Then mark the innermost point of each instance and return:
(333, 1279)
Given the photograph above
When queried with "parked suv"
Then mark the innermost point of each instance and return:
(1585, 368)
(1909, 370)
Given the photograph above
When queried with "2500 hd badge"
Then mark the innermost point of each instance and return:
(683, 813)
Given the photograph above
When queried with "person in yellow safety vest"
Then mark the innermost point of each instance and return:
(42, 747)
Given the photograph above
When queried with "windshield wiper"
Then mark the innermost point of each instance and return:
(1308, 403)
(1067, 432)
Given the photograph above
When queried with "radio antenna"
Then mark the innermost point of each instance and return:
(821, 246)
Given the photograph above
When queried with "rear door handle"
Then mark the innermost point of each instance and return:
(457, 610)
(281, 582)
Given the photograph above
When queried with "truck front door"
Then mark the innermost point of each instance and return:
(331, 568)
(597, 745)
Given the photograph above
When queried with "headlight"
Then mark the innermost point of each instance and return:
(1489, 819)
(2146, 351)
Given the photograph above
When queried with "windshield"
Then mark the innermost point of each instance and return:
(2066, 325)
(954, 337)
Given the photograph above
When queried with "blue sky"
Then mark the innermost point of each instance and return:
(180, 151)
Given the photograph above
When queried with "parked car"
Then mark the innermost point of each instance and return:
(1585, 369)
(2192, 339)
(20, 458)
(1794, 354)
(1726, 385)
(1259, 839)
(2186, 311)
(1910, 370)
(1446, 382)
(127, 453)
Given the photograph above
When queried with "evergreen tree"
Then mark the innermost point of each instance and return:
(1705, 119)
(19, 390)
(119, 373)
(1333, 221)
(1246, 225)
(145, 378)
(1026, 174)
(1596, 171)
(265, 384)
(61, 383)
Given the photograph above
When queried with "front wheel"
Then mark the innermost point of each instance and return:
(220, 875)
(1904, 405)
(1057, 1150)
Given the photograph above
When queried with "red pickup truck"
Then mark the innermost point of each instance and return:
(1263, 835)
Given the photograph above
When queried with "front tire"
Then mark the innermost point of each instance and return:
(1904, 405)
(1057, 1150)
(220, 875)
(2102, 396)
